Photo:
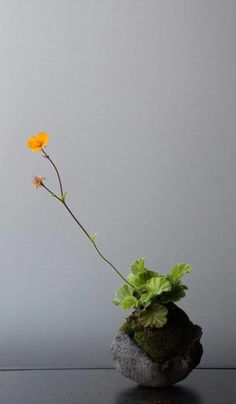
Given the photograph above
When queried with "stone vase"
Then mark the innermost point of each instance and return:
(180, 360)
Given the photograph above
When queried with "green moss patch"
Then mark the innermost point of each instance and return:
(161, 344)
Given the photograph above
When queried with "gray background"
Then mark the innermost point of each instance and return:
(139, 100)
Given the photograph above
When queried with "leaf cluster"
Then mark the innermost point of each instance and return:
(148, 292)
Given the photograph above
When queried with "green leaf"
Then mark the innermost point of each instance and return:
(154, 316)
(154, 287)
(179, 270)
(159, 285)
(93, 237)
(152, 274)
(63, 197)
(138, 266)
(176, 293)
(122, 293)
(141, 278)
(146, 298)
(131, 278)
(129, 302)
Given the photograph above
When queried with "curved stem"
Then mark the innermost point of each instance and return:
(55, 168)
(62, 200)
(94, 244)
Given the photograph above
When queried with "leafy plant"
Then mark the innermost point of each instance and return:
(151, 292)
(145, 291)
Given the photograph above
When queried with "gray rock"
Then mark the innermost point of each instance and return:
(134, 364)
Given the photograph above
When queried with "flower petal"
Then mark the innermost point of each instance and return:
(37, 143)
(43, 138)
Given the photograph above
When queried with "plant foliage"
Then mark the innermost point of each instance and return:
(149, 292)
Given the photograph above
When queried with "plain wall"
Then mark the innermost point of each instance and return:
(138, 98)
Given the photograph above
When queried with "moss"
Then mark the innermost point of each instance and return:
(161, 344)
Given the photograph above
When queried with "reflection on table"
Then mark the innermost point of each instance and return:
(167, 395)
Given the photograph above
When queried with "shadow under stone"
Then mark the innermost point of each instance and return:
(163, 395)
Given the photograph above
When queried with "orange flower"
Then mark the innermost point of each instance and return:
(37, 143)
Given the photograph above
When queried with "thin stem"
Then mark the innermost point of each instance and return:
(62, 200)
(94, 244)
(50, 192)
(55, 168)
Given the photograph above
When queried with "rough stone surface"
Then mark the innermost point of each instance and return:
(134, 364)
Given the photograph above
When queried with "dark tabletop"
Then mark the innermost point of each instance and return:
(107, 386)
